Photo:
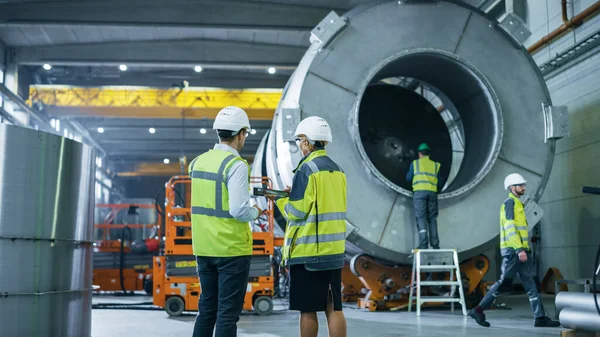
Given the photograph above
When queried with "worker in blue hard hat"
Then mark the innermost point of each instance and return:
(426, 183)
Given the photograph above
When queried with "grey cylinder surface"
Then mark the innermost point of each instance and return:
(489, 83)
(580, 320)
(576, 300)
(46, 219)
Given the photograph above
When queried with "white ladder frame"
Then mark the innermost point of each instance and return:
(416, 278)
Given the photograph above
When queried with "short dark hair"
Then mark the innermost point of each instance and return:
(227, 134)
(425, 152)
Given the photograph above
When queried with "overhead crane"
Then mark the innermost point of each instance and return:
(142, 102)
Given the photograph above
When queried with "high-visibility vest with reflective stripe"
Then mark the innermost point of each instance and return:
(316, 228)
(214, 231)
(514, 233)
(425, 174)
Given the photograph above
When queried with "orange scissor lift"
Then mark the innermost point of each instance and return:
(176, 285)
(124, 262)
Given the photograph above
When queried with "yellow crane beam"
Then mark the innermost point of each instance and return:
(142, 102)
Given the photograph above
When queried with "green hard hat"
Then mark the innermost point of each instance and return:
(423, 146)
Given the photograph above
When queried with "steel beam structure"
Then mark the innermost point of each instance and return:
(207, 53)
(186, 103)
(175, 13)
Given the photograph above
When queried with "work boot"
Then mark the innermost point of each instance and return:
(546, 322)
(479, 317)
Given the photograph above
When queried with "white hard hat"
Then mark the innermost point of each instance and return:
(513, 179)
(231, 118)
(315, 128)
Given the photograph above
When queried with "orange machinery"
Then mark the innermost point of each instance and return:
(376, 285)
(124, 248)
(176, 286)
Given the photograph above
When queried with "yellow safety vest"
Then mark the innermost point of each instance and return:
(316, 228)
(214, 231)
(514, 234)
(425, 176)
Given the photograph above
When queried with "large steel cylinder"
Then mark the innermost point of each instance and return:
(46, 214)
(579, 301)
(381, 81)
(577, 319)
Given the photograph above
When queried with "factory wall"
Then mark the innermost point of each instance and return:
(570, 230)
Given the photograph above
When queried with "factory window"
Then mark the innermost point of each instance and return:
(106, 195)
(107, 182)
(98, 192)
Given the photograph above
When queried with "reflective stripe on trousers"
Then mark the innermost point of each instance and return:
(511, 266)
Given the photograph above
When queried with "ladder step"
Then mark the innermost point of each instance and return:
(438, 267)
(440, 299)
(434, 250)
(440, 283)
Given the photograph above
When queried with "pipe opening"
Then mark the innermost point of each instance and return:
(431, 98)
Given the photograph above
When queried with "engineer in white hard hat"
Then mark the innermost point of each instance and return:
(315, 236)
(516, 257)
(221, 235)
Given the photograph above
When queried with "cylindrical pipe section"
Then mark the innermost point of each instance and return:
(576, 300)
(374, 84)
(577, 319)
(46, 220)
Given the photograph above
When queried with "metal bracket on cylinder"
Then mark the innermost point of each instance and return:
(350, 228)
(533, 212)
(556, 121)
(327, 29)
(290, 120)
(513, 23)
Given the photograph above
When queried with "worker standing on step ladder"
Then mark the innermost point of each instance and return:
(221, 235)
(315, 236)
(516, 257)
(424, 175)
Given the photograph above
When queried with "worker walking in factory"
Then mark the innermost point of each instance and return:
(426, 183)
(221, 235)
(516, 257)
(315, 236)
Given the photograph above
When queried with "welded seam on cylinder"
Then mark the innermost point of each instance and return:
(333, 83)
(521, 167)
(31, 238)
(462, 33)
(6, 294)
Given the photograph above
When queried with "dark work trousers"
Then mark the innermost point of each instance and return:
(426, 211)
(223, 281)
(511, 265)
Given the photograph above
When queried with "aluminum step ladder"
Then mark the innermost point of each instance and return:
(436, 260)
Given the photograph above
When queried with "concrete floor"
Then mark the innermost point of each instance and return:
(516, 322)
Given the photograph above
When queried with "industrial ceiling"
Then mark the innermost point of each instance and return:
(163, 44)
